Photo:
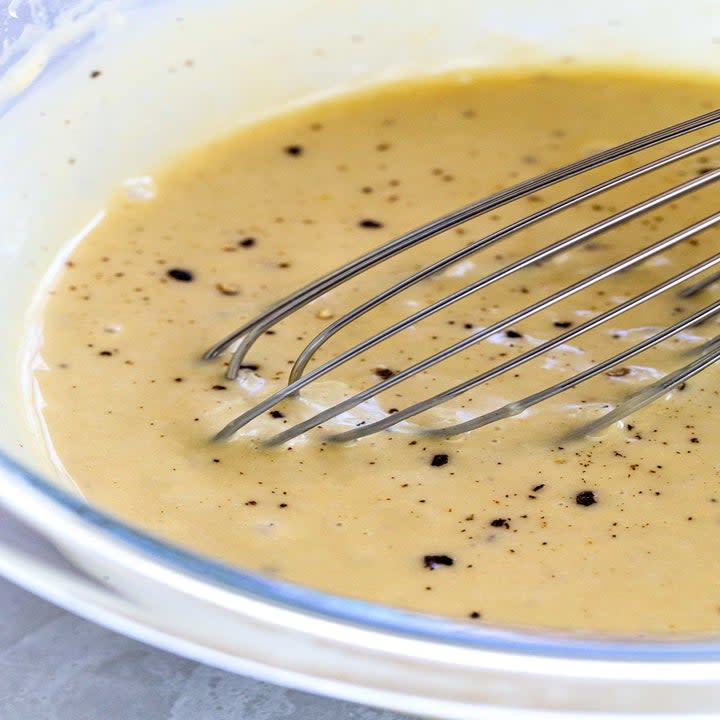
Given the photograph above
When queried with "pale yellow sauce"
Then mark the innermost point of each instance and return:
(130, 408)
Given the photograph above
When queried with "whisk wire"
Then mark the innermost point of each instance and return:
(526, 261)
(248, 334)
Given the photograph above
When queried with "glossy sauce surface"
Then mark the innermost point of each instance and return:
(510, 524)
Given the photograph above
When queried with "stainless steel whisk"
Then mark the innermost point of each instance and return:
(247, 335)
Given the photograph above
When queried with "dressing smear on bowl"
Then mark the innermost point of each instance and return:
(509, 524)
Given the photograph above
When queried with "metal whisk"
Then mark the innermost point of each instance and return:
(248, 334)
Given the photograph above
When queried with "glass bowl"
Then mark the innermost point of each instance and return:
(67, 140)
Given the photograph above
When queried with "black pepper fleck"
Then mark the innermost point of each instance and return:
(384, 373)
(439, 460)
(276, 414)
(586, 498)
(294, 150)
(370, 224)
(434, 561)
(180, 275)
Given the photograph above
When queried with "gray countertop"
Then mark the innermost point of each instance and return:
(56, 666)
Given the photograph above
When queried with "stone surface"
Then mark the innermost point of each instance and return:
(55, 666)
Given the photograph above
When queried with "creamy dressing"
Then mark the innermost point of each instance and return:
(509, 524)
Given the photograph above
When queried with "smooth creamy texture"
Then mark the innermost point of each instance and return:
(130, 408)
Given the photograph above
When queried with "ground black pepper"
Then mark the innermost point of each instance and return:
(439, 460)
(585, 498)
(434, 561)
(384, 373)
(180, 275)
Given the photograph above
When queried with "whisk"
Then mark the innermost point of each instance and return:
(247, 335)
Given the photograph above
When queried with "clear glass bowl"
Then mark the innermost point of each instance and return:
(251, 59)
